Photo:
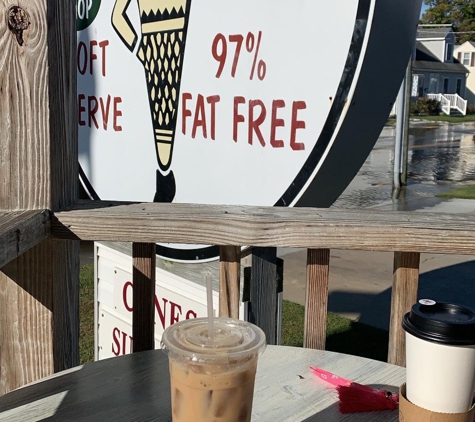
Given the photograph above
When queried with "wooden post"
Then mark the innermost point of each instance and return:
(280, 299)
(263, 291)
(404, 295)
(143, 316)
(39, 291)
(316, 301)
(229, 281)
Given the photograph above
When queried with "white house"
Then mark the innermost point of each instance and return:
(436, 73)
(465, 54)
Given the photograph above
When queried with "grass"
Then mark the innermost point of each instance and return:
(445, 118)
(343, 335)
(463, 192)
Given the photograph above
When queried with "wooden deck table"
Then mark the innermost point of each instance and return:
(136, 388)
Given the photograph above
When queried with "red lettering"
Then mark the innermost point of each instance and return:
(93, 105)
(185, 112)
(105, 111)
(124, 295)
(212, 100)
(81, 109)
(174, 316)
(115, 337)
(161, 314)
(254, 124)
(200, 117)
(82, 58)
(124, 342)
(103, 45)
(297, 124)
(117, 113)
(92, 110)
(237, 118)
(275, 123)
(92, 55)
(191, 314)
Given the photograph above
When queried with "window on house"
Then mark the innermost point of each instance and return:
(420, 87)
(446, 85)
(466, 59)
(449, 52)
(434, 83)
(459, 85)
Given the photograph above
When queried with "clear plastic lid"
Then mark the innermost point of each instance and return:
(232, 339)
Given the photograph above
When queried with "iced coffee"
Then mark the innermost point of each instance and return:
(212, 379)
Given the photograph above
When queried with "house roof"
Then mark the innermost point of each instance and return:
(426, 66)
(427, 62)
(423, 53)
(433, 32)
(463, 46)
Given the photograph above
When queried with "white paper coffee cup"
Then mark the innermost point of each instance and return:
(440, 356)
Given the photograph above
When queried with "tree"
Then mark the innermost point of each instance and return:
(459, 13)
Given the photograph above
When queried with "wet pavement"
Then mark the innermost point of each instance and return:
(440, 157)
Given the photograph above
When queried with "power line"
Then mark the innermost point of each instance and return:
(453, 32)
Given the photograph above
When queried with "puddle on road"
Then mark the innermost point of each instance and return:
(440, 157)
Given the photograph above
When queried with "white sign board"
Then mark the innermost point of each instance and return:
(256, 102)
(176, 299)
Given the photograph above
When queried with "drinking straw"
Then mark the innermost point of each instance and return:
(209, 297)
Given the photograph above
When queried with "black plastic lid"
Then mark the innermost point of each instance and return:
(441, 322)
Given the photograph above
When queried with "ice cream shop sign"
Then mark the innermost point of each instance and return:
(260, 102)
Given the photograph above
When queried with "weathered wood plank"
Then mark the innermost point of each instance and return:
(143, 316)
(269, 226)
(404, 295)
(229, 281)
(39, 327)
(20, 231)
(263, 292)
(280, 299)
(64, 260)
(316, 301)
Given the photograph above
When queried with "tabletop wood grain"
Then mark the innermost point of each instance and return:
(136, 388)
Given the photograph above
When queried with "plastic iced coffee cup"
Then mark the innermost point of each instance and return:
(212, 379)
(440, 356)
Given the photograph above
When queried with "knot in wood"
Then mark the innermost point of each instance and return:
(18, 21)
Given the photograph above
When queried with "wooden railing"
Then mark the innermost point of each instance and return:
(457, 102)
(407, 234)
(450, 101)
(444, 102)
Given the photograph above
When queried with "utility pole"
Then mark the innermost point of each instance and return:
(402, 129)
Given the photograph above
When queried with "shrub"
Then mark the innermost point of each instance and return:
(425, 106)
(470, 109)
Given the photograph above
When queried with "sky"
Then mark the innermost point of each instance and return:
(424, 7)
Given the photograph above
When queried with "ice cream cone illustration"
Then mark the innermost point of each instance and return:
(163, 26)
